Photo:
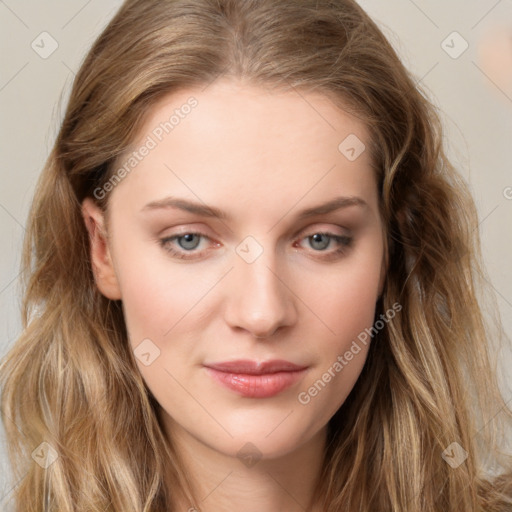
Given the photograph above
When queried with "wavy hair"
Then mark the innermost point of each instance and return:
(430, 378)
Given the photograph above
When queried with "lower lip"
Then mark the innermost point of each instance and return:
(257, 386)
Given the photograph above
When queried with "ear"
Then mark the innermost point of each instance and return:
(103, 268)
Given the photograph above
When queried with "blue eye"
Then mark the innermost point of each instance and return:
(320, 241)
(187, 243)
(184, 246)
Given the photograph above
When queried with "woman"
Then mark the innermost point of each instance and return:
(251, 279)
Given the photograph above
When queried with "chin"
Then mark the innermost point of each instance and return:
(261, 442)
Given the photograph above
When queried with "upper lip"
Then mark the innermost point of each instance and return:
(248, 367)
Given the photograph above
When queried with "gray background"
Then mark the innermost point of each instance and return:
(476, 106)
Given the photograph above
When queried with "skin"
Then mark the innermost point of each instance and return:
(262, 157)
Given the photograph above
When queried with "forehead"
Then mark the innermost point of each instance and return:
(244, 144)
(229, 107)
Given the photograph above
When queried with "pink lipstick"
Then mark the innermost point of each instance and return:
(256, 380)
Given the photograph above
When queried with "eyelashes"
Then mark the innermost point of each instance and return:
(184, 246)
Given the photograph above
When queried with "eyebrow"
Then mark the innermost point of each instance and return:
(210, 211)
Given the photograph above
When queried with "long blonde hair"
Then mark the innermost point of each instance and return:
(429, 381)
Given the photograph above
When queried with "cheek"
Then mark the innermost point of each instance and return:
(345, 301)
(341, 356)
(158, 306)
(161, 304)
(155, 292)
(350, 302)
(344, 297)
(347, 312)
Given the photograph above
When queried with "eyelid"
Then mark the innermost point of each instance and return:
(302, 232)
(323, 227)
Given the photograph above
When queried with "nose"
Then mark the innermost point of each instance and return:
(259, 300)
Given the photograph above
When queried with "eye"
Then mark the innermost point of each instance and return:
(184, 246)
(189, 241)
(321, 241)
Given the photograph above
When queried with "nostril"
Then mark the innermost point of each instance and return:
(267, 335)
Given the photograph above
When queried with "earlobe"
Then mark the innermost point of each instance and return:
(99, 251)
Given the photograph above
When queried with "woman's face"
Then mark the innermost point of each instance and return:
(247, 230)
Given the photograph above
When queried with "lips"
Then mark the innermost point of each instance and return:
(256, 379)
(254, 368)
